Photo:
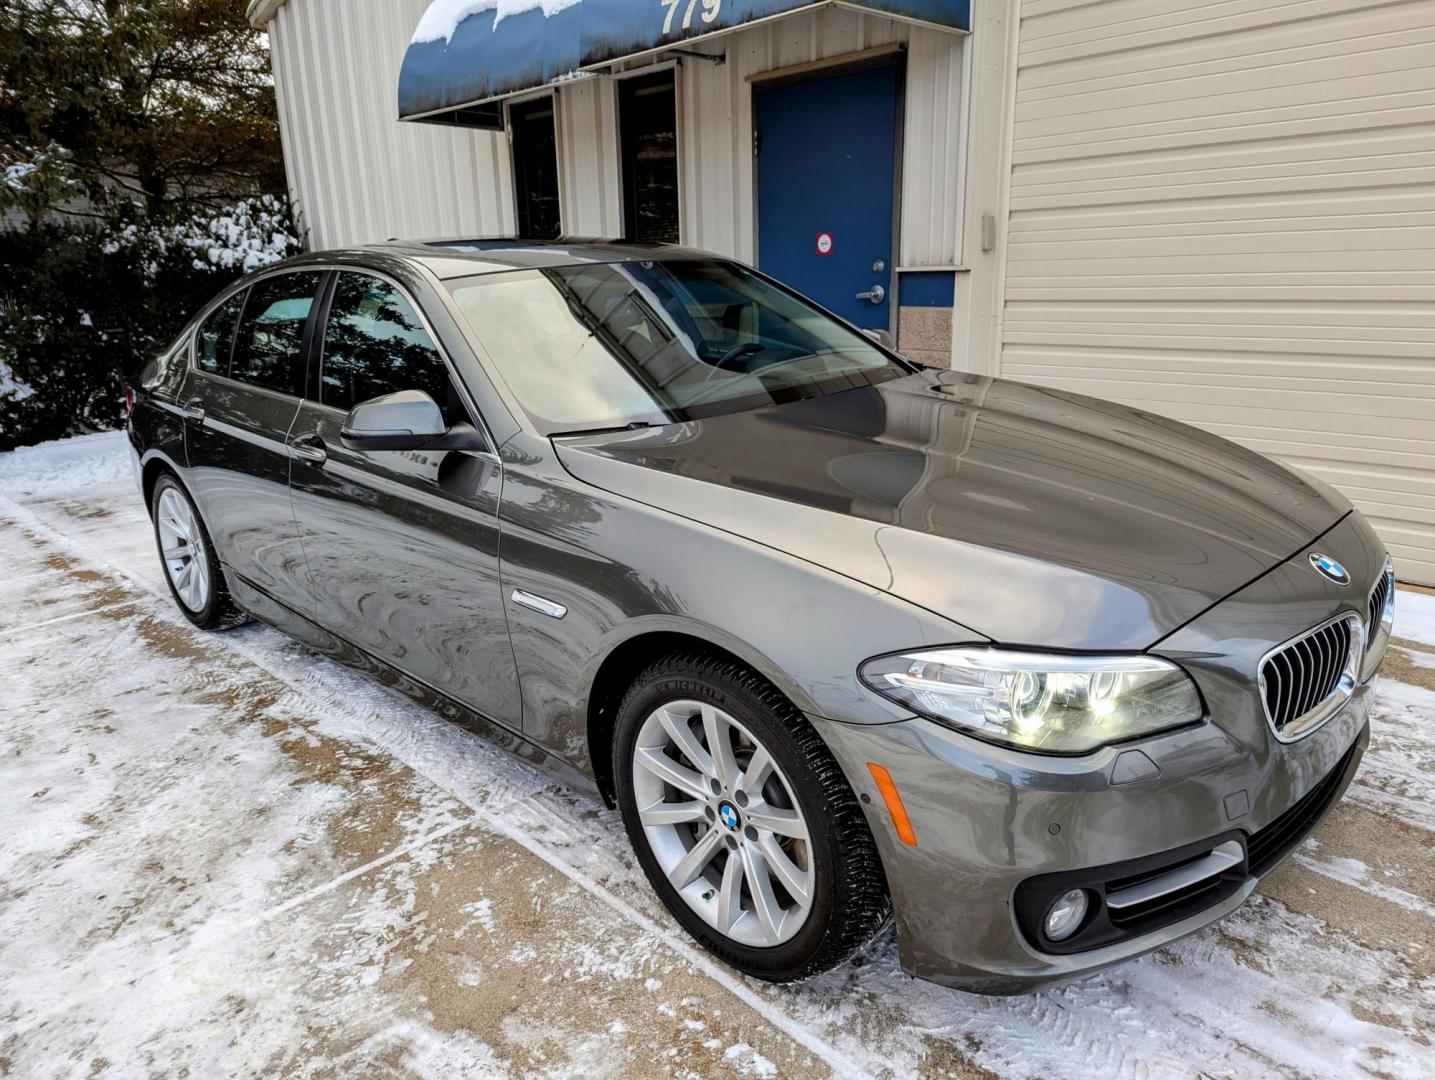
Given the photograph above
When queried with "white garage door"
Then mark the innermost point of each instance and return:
(1225, 212)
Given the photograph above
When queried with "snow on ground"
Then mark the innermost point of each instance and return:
(1415, 617)
(83, 463)
(228, 854)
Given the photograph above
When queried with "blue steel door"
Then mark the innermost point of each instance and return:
(826, 154)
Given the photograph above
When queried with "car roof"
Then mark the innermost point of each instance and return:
(459, 257)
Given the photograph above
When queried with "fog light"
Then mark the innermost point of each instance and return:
(1065, 915)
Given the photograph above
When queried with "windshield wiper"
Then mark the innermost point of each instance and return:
(636, 425)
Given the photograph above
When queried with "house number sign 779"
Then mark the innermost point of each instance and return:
(709, 12)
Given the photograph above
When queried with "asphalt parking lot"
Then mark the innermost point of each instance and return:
(223, 854)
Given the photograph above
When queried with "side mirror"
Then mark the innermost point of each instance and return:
(406, 420)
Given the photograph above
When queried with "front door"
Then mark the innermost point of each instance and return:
(402, 547)
(826, 160)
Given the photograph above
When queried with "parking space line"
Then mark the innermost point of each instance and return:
(15, 631)
(359, 871)
(99, 988)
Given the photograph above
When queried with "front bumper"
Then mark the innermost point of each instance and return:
(987, 820)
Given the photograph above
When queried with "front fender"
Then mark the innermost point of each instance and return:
(622, 569)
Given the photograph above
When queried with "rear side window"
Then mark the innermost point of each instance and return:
(375, 344)
(216, 336)
(269, 344)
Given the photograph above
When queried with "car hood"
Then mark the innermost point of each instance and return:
(1028, 515)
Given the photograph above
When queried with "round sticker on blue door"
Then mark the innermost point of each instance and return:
(824, 243)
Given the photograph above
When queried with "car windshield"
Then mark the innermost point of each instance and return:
(611, 345)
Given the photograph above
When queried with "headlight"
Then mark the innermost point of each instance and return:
(1039, 701)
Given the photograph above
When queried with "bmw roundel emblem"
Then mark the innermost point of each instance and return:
(1329, 568)
(728, 813)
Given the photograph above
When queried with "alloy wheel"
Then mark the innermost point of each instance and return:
(182, 549)
(722, 822)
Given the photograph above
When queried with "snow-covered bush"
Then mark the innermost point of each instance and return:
(239, 238)
(245, 236)
(35, 178)
(83, 303)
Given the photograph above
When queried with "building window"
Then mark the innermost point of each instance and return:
(647, 120)
(535, 168)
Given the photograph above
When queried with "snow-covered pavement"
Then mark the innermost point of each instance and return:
(224, 854)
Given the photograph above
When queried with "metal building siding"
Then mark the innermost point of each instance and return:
(358, 174)
(1226, 213)
(589, 178)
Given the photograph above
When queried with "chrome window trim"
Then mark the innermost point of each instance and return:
(267, 391)
(1315, 717)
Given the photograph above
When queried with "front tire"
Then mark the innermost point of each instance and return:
(191, 566)
(743, 822)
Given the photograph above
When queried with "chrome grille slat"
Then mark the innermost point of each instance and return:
(1312, 673)
(1327, 647)
(1289, 687)
(1275, 686)
(1338, 643)
(1307, 679)
(1322, 647)
(1379, 597)
(1305, 652)
(1380, 616)
(1296, 658)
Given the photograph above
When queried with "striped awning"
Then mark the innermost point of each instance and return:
(466, 53)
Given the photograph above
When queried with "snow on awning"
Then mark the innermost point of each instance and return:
(465, 53)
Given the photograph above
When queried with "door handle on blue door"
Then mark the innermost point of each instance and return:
(876, 294)
(309, 448)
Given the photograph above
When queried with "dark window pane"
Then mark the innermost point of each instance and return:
(648, 121)
(267, 349)
(374, 344)
(216, 335)
(535, 169)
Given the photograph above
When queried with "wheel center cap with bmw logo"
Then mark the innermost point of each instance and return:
(1329, 568)
(727, 814)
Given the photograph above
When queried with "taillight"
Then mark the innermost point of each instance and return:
(129, 400)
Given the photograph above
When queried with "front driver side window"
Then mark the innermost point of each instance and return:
(375, 344)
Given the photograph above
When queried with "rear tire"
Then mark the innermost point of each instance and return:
(771, 806)
(191, 566)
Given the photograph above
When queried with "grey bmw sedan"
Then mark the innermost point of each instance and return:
(1048, 680)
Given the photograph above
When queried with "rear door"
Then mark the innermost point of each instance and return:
(402, 547)
(240, 400)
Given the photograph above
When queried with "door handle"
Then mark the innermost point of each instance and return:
(876, 294)
(194, 410)
(310, 448)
